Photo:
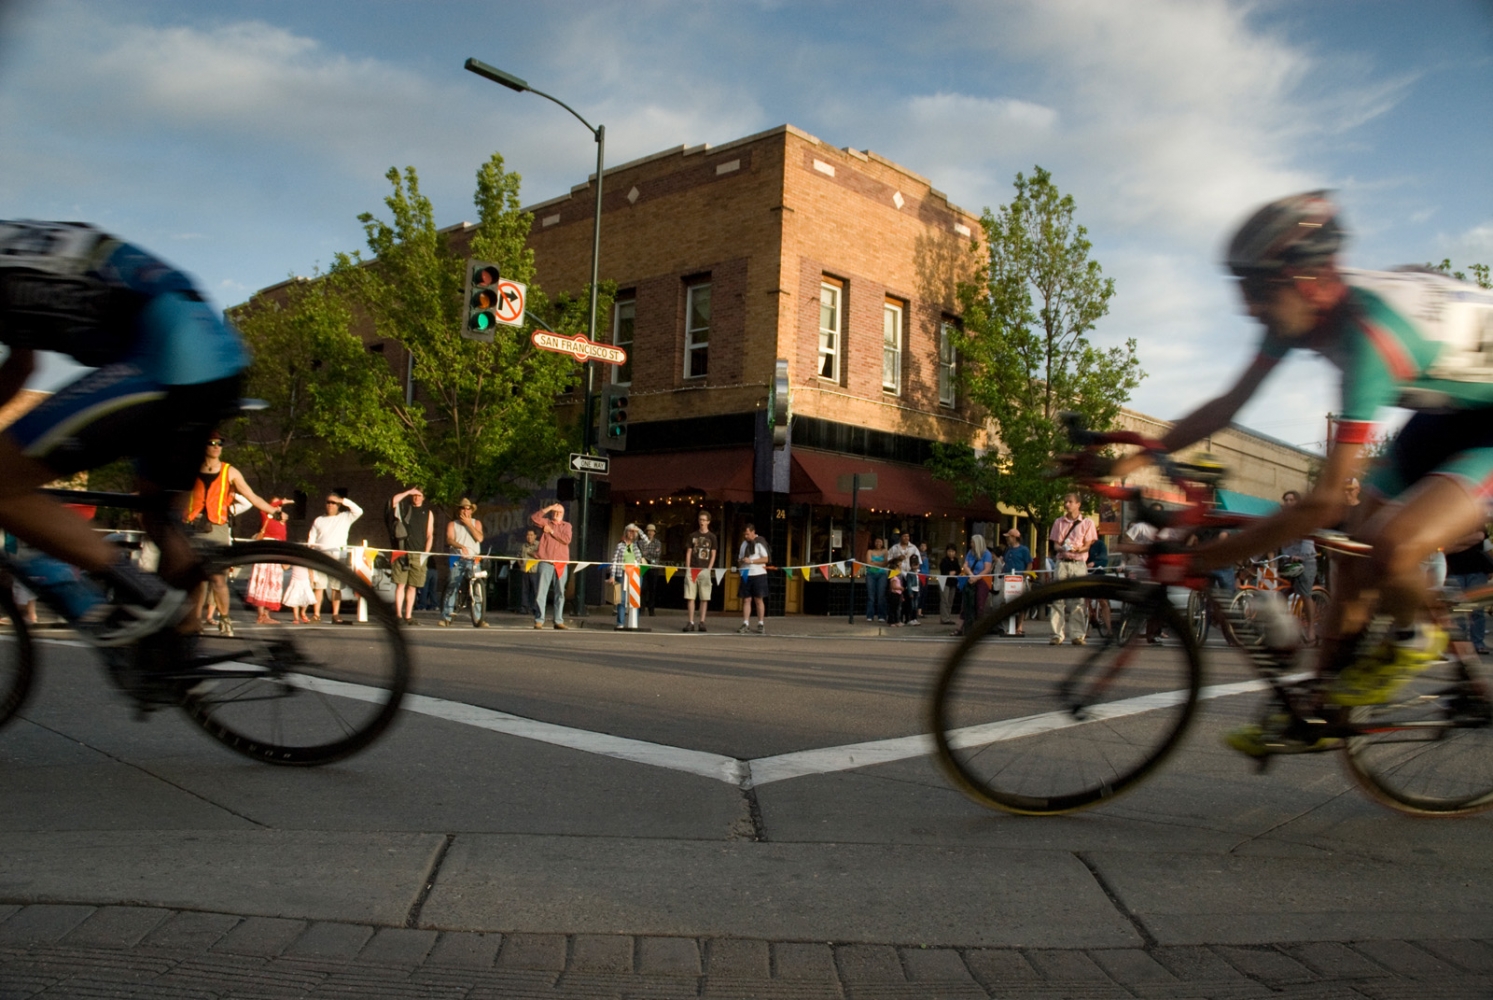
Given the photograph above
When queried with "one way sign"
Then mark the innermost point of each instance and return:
(590, 463)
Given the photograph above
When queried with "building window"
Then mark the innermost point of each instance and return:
(624, 317)
(891, 347)
(697, 331)
(947, 358)
(829, 331)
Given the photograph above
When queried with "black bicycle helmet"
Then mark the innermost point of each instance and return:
(1302, 229)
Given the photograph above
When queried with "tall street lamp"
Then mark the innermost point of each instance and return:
(512, 82)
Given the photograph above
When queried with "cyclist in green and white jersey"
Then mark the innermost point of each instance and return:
(1409, 338)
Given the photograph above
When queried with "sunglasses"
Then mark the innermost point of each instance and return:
(215, 443)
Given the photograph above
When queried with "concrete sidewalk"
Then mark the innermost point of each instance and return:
(133, 951)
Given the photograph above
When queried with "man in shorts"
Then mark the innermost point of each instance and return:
(165, 372)
(411, 535)
(753, 558)
(1406, 338)
(699, 563)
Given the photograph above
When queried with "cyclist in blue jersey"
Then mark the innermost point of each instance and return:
(1409, 338)
(166, 370)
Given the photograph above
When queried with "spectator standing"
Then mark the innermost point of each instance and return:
(653, 555)
(209, 513)
(1018, 559)
(628, 553)
(464, 542)
(1071, 537)
(266, 583)
(877, 557)
(1098, 565)
(949, 566)
(925, 570)
(699, 563)
(412, 536)
(1468, 566)
(752, 558)
(554, 561)
(329, 534)
(1299, 565)
(529, 553)
(974, 581)
(907, 560)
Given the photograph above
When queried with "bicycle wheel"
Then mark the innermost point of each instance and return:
(1049, 730)
(1197, 615)
(1430, 751)
(17, 657)
(478, 590)
(1242, 607)
(288, 694)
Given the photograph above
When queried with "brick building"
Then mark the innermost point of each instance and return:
(728, 258)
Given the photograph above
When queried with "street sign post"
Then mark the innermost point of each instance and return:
(596, 465)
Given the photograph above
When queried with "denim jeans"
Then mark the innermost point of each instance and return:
(876, 584)
(549, 577)
(460, 571)
(1476, 622)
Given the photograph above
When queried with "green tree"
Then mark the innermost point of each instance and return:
(1480, 272)
(483, 420)
(304, 352)
(1025, 356)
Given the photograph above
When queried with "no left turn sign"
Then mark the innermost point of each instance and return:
(510, 307)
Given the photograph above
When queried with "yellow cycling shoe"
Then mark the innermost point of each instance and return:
(1254, 741)
(1377, 676)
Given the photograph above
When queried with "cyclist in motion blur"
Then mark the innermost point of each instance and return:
(166, 370)
(1409, 338)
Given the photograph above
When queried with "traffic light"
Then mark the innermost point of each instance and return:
(614, 438)
(481, 300)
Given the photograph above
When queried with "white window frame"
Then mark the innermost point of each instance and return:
(630, 306)
(835, 335)
(690, 345)
(948, 361)
(893, 327)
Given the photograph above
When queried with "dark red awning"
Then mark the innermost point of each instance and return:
(720, 474)
(900, 489)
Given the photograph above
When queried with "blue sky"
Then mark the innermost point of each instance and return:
(241, 141)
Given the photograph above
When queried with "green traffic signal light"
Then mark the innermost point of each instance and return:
(481, 299)
(617, 421)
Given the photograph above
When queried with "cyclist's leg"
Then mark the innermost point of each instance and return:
(87, 423)
(1432, 514)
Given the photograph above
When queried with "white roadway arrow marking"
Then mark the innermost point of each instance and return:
(762, 770)
(765, 770)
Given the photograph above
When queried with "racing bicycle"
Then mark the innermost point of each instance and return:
(278, 693)
(1068, 728)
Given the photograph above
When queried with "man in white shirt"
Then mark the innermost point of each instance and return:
(905, 557)
(329, 534)
(753, 558)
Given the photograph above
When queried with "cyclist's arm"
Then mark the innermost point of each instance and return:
(14, 373)
(1211, 417)
(1321, 508)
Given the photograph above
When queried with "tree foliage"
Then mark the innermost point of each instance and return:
(1025, 357)
(305, 358)
(1480, 272)
(483, 418)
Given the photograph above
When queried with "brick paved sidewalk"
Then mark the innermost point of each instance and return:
(125, 951)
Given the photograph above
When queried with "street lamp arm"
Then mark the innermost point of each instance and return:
(512, 82)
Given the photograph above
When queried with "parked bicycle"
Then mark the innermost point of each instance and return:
(279, 693)
(1051, 732)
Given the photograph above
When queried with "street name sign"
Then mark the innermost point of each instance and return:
(579, 347)
(597, 466)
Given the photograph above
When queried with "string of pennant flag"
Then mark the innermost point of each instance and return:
(362, 557)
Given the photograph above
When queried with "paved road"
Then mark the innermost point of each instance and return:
(564, 814)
